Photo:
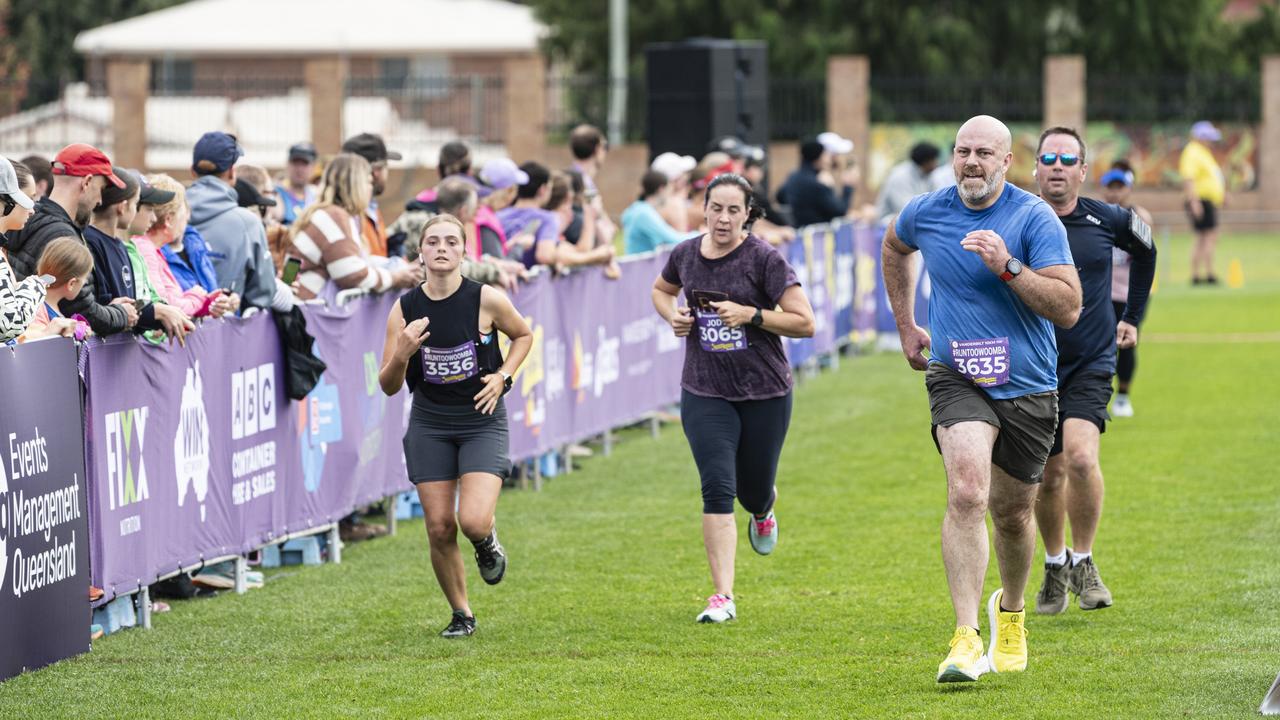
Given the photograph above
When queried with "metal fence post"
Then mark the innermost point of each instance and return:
(144, 606)
(335, 545)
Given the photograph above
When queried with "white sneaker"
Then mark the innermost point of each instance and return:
(720, 608)
(1121, 407)
(763, 533)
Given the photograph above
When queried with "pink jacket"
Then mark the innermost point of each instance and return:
(194, 302)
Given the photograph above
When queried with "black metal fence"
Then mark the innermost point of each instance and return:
(576, 99)
(1012, 98)
(797, 107)
(1141, 99)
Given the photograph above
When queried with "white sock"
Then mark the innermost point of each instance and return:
(1077, 558)
(1059, 559)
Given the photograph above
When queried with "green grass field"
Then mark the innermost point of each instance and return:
(849, 618)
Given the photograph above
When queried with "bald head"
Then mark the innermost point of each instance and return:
(985, 130)
(981, 158)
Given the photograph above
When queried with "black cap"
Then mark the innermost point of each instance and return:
(370, 147)
(150, 195)
(112, 194)
(248, 196)
(303, 151)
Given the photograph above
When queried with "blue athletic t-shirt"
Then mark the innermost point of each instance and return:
(969, 306)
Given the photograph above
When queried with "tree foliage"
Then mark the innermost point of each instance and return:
(933, 37)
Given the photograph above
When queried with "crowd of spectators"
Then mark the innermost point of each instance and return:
(161, 255)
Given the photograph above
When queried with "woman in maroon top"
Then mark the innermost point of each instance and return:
(742, 298)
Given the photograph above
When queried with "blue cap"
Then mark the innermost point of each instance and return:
(1117, 175)
(216, 152)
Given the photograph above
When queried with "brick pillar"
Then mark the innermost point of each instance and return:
(1064, 91)
(128, 85)
(326, 84)
(1269, 134)
(849, 103)
(525, 107)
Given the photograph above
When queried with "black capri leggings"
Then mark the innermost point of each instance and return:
(736, 446)
(1126, 358)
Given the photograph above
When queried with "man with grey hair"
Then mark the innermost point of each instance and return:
(1002, 276)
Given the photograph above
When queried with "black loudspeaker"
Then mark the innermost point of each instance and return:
(700, 90)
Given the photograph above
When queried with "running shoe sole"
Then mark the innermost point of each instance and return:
(954, 674)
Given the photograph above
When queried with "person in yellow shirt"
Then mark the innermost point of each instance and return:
(1205, 189)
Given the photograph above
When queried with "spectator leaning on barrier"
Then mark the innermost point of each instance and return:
(19, 301)
(643, 227)
(114, 277)
(42, 172)
(906, 180)
(168, 223)
(372, 228)
(235, 236)
(326, 236)
(80, 174)
(677, 168)
(590, 148)
(297, 190)
(812, 202)
(184, 249)
(560, 203)
(70, 264)
(532, 232)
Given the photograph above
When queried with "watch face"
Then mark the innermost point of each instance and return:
(1014, 266)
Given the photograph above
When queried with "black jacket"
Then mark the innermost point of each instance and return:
(48, 223)
(812, 202)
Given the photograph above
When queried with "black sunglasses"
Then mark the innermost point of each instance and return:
(1068, 159)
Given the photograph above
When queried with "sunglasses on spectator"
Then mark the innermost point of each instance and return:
(1068, 159)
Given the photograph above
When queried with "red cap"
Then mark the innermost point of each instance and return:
(80, 160)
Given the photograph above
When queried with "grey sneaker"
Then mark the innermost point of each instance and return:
(1087, 585)
(491, 559)
(1052, 598)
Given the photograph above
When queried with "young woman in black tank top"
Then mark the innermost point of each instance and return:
(442, 339)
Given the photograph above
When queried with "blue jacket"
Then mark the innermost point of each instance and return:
(199, 271)
(812, 202)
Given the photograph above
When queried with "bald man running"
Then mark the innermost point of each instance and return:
(1002, 276)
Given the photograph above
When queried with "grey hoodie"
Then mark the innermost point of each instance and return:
(237, 243)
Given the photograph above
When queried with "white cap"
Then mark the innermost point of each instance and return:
(9, 185)
(673, 165)
(834, 144)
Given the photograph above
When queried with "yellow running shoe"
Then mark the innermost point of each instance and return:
(1008, 651)
(966, 662)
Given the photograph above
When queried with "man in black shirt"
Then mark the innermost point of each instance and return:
(811, 201)
(1086, 362)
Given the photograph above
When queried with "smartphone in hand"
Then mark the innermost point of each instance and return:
(290, 271)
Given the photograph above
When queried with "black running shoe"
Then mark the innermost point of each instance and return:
(491, 560)
(459, 626)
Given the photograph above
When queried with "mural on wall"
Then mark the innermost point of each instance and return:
(1153, 150)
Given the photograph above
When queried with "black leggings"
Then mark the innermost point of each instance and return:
(736, 446)
(1126, 358)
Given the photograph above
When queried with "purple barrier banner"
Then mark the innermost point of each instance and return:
(189, 454)
(196, 453)
(601, 357)
(350, 434)
(44, 528)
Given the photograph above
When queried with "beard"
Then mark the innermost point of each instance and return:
(83, 216)
(977, 196)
